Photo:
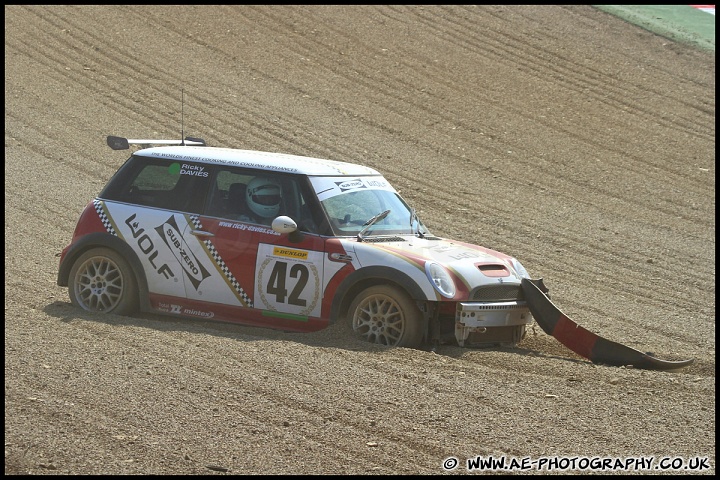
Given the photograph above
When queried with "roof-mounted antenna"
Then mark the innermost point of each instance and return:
(122, 143)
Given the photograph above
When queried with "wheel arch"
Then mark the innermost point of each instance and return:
(105, 240)
(369, 276)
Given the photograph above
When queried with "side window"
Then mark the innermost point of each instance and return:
(160, 183)
(228, 196)
(154, 178)
(259, 197)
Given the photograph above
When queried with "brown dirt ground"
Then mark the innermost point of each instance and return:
(579, 143)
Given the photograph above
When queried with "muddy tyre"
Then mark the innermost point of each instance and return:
(386, 315)
(102, 281)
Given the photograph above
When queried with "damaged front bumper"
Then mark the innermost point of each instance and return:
(583, 342)
(491, 322)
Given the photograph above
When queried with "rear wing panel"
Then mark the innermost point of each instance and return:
(122, 143)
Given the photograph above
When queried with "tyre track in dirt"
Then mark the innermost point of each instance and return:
(641, 168)
(585, 80)
(254, 386)
(166, 98)
(540, 61)
(330, 147)
(341, 425)
(449, 198)
(276, 130)
(596, 144)
(577, 201)
(64, 53)
(127, 60)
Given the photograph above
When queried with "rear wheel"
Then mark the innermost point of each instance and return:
(386, 315)
(102, 281)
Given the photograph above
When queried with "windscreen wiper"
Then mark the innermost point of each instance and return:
(370, 223)
(414, 218)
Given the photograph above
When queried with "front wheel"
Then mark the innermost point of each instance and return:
(386, 315)
(102, 281)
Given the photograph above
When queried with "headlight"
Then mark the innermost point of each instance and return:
(440, 278)
(519, 268)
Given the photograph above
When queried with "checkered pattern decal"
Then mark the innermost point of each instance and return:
(210, 249)
(100, 209)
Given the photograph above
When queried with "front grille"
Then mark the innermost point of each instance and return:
(497, 293)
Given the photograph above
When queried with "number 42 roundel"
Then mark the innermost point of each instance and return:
(288, 280)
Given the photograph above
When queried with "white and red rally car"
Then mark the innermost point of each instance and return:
(286, 242)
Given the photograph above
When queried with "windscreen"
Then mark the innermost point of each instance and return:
(351, 202)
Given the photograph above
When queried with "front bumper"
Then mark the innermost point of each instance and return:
(478, 317)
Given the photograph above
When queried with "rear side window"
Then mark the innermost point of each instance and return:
(160, 183)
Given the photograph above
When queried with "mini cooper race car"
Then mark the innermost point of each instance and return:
(286, 242)
(295, 243)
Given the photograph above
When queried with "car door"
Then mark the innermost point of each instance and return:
(253, 272)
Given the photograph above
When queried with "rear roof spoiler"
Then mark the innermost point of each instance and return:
(121, 143)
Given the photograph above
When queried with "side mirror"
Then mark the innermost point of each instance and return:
(284, 224)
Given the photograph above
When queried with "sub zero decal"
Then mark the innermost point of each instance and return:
(104, 218)
(220, 263)
(170, 233)
(350, 184)
(328, 187)
(288, 280)
(146, 245)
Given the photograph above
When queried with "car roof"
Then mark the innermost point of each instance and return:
(284, 162)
